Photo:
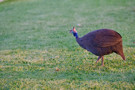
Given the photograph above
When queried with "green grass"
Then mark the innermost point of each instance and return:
(35, 40)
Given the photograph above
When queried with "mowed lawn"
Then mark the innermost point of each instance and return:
(35, 41)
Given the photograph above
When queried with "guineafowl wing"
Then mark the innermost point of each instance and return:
(106, 41)
(106, 38)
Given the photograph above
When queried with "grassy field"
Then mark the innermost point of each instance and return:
(35, 40)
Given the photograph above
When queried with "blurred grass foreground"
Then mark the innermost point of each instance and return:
(38, 52)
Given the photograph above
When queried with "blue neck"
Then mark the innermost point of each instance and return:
(75, 35)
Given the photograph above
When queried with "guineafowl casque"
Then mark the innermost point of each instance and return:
(101, 42)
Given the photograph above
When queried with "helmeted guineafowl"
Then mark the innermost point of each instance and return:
(101, 42)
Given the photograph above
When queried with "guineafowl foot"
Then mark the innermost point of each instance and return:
(102, 61)
(98, 59)
(102, 65)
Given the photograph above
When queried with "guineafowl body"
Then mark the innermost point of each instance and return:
(101, 42)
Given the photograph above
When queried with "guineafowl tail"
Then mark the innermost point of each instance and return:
(119, 50)
(123, 56)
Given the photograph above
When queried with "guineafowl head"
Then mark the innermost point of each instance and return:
(74, 32)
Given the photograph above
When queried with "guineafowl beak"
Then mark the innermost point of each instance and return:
(71, 31)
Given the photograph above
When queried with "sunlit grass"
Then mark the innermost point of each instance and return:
(35, 40)
(77, 69)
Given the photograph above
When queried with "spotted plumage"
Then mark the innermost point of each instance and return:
(101, 42)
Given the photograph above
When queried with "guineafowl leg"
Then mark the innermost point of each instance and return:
(102, 60)
(98, 59)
